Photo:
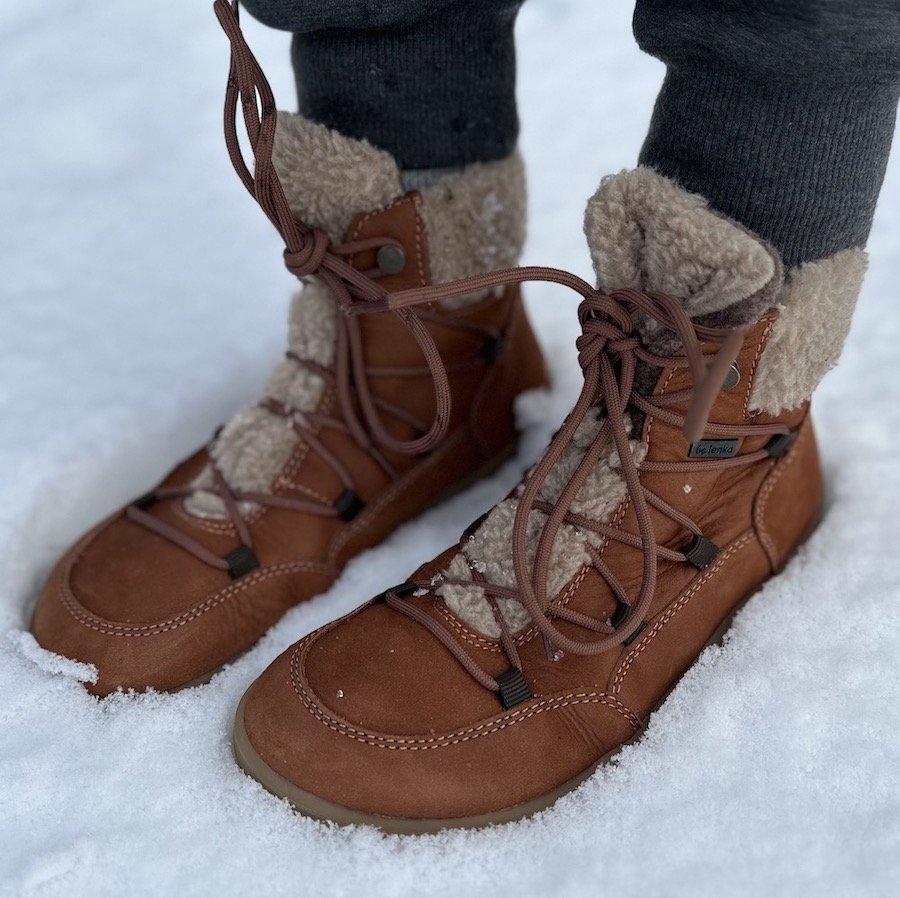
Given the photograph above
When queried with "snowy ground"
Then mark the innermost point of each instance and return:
(143, 298)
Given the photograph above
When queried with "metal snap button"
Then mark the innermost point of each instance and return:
(391, 258)
(732, 378)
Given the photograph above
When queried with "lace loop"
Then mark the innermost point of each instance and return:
(308, 260)
(309, 252)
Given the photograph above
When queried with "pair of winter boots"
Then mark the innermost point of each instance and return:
(503, 671)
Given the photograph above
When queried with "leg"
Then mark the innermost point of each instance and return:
(780, 114)
(431, 83)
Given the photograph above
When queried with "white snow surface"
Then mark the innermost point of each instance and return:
(143, 299)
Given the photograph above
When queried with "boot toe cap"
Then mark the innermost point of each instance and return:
(337, 767)
(149, 616)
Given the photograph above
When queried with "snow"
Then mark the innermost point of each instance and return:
(143, 299)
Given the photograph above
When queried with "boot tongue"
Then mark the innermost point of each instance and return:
(330, 179)
(647, 233)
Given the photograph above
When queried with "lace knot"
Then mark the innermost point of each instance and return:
(605, 327)
(308, 259)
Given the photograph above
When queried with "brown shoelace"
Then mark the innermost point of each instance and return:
(309, 252)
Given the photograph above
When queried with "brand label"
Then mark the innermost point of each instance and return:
(713, 449)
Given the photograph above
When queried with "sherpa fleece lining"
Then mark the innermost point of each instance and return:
(255, 445)
(488, 549)
(474, 221)
(646, 232)
(815, 307)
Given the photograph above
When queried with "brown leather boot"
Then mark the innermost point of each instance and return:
(505, 670)
(371, 419)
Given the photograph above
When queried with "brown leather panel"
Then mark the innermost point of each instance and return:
(352, 673)
(498, 760)
(401, 221)
(683, 625)
(777, 516)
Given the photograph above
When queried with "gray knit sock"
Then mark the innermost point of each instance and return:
(780, 114)
(420, 178)
(430, 81)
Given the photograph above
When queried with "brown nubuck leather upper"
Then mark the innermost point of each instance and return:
(402, 715)
(164, 609)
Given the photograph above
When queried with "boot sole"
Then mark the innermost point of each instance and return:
(310, 805)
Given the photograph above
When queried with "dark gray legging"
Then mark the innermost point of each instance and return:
(781, 112)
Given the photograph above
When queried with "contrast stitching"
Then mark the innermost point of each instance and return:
(294, 464)
(675, 607)
(763, 497)
(216, 526)
(651, 420)
(302, 488)
(493, 645)
(293, 467)
(363, 520)
(417, 202)
(616, 521)
(456, 737)
(423, 281)
(92, 622)
(360, 222)
(753, 365)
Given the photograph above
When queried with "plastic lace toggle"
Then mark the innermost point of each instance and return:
(780, 443)
(701, 552)
(617, 618)
(348, 505)
(241, 561)
(514, 688)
